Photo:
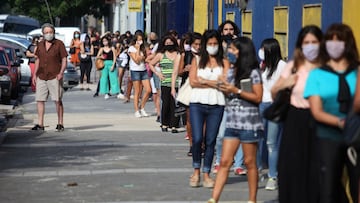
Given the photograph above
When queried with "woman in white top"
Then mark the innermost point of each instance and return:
(206, 103)
(139, 74)
(270, 54)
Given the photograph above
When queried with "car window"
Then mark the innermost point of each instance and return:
(9, 54)
(3, 60)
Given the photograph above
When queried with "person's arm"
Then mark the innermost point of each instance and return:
(63, 67)
(286, 80)
(182, 67)
(357, 94)
(199, 82)
(91, 50)
(82, 48)
(29, 54)
(152, 64)
(114, 59)
(100, 53)
(136, 56)
(323, 117)
(174, 75)
(37, 60)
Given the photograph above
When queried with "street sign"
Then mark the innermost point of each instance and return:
(135, 5)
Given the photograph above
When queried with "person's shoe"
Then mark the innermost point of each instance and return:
(81, 88)
(211, 200)
(96, 94)
(88, 89)
(240, 171)
(208, 183)
(190, 152)
(120, 96)
(194, 181)
(186, 137)
(158, 119)
(143, 113)
(137, 114)
(59, 128)
(106, 96)
(216, 168)
(271, 184)
(174, 130)
(38, 127)
(164, 128)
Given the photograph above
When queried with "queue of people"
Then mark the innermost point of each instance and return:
(232, 84)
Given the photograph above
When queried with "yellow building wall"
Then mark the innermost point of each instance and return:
(351, 16)
(220, 12)
(200, 15)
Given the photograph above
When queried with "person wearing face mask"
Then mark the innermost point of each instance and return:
(243, 121)
(274, 65)
(229, 31)
(206, 104)
(50, 65)
(191, 50)
(138, 73)
(168, 58)
(297, 176)
(30, 53)
(329, 103)
(75, 44)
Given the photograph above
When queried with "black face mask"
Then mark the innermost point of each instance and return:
(170, 47)
(227, 38)
(153, 41)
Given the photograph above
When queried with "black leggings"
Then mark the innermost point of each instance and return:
(168, 108)
(85, 69)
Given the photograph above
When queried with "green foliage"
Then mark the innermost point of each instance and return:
(58, 8)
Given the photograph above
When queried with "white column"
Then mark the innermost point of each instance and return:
(123, 16)
(116, 22)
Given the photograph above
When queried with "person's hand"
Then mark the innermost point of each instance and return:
(33, 80)
(187, 68)
(60, 76)
(137, 46)
(173, 92)
(112, 69)
(160, 75)
(290, 81)
(226, 87)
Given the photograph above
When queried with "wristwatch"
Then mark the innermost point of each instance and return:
(239, 91)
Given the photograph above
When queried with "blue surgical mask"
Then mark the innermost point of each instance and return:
(231, 57)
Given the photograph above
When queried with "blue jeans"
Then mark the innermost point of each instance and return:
(272, 137)
(212, 116)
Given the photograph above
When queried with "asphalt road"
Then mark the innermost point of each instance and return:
(105, 154)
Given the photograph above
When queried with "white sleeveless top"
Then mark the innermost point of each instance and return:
(210, 96)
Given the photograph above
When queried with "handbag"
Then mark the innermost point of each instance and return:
(277, 111)
(184, 93)
(72, 50)
(99, 64)
(352, 129)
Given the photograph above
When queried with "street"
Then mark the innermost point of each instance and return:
(105, 154)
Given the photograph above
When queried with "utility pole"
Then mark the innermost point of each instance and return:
(48, 9)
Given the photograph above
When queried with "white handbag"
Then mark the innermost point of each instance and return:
(184, 93)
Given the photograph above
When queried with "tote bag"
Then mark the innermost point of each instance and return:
(184, 93)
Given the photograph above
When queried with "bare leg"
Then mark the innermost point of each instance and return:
(249, 150)
(41, 111)
(229, 149)
(147, 87)
(60, 111)
(136, 85)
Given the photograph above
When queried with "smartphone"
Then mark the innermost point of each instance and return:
(246, 85)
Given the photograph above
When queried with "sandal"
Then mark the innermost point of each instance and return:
(164, 128)
(211, 200)
(38, 127)
(209, 183)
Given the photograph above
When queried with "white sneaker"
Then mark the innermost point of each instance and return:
(137, 114)
(143, 113)
(271, 184)
(120, 96)
(106, 96)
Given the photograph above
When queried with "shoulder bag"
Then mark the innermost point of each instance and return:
(99, 64)
(352, 130)
(184, 93)
(277, 111)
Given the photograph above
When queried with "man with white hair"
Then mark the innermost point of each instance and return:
(50, 65)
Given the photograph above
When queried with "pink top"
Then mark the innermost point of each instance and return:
(297, 96)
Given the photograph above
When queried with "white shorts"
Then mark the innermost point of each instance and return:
(46, 87)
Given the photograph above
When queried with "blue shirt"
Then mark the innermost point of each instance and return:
(326, 85)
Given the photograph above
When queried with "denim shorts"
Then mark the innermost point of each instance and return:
(245, 136)
(139, 75)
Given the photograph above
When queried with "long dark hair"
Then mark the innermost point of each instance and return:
(272, 55)
(236, 28)
(298, 55)
(247, 61)
(134, 39)
(344, 33)
(204, 56)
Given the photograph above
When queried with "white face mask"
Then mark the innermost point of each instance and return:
(140, 42)
(187, 47)
(212, 50)
(310, 51)
(48, 37)
(261, 54)
(194, 50)
(335, 48)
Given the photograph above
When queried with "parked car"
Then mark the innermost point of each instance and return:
(71, 77)
(5, 79)
(14, 71)
(21, 44)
